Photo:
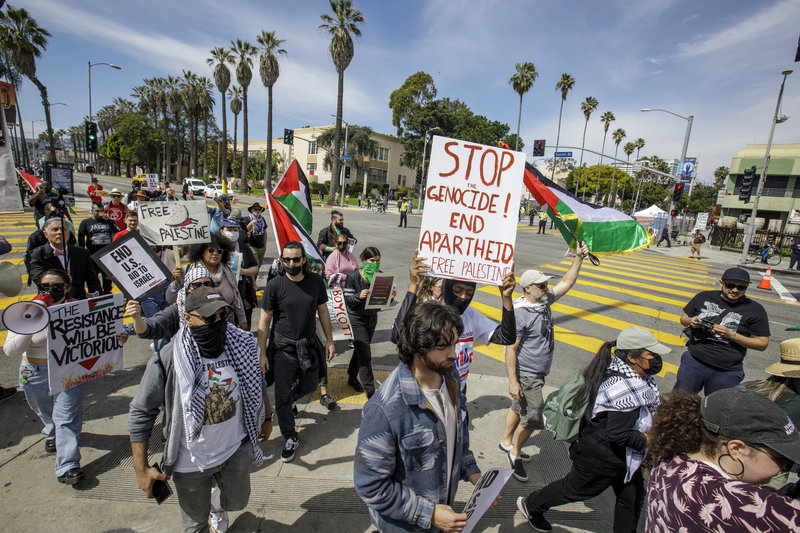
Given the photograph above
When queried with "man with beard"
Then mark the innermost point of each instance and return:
(412, 446)
(326, 241)
(95, 233)
(528, 359)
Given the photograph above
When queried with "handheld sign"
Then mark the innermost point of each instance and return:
(82, 342)
(486, 490)
(135, 269)
(340, 320)
(175, 223)
(469, 225)
(152, 181)
(380, 292)
(235, 264)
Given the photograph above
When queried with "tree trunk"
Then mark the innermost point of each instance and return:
(235, 134)
(600, 168)
(243, 187)
(224, 158)
(205, 144)
(158, 150)
(519, 120)
(46, 104)
(179, 149)
(268, 178)
(167, 165)
(337, 142)
(25, 156)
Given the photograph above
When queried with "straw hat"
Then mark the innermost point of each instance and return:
(789, 365)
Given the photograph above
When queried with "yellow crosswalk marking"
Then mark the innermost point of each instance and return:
(661, 265)
(650, 277)
(658, 268)
(648, 286)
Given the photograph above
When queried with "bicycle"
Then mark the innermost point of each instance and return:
(754, 255)
(378, 209)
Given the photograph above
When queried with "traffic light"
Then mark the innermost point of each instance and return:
(346, 173)
(538, 147)
(748, 180)
(419, 176)
(677, 192)
(91, 137)
(288, 136)
(673, 213)
(90, 170)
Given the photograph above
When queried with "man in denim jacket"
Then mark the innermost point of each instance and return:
(413, 444)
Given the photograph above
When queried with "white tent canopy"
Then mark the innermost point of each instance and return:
(652, 211)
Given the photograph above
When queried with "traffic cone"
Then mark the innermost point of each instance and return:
(233, 200)
(765, 281)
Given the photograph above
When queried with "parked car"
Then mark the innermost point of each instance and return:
(213, 189)
(196, 186)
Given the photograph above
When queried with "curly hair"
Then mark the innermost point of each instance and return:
(426, 326)
(196, 251)
(678, 427)
(426, 286)
(295, 245)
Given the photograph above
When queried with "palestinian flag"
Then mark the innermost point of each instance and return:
(293, 192)
(31, 181)
(605, 230)
(287, 228)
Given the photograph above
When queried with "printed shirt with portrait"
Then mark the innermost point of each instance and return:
(116, 214)
(223, 424)
(477, 327)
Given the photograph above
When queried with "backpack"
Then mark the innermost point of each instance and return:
(702, 238)
(561, 418)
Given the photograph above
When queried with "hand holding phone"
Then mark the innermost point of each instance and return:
(161, 489)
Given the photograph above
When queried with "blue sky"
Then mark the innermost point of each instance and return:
(719, 60)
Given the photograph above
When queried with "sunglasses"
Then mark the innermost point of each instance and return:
(732, 286)
(542, 286)
(222, 314)
(197, 284)
(290, 260)
(47, 287)
(219, 251)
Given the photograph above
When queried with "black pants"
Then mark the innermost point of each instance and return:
(286, 365)
(403, 219)
(793, 259)
(361, 361)
(542, 226)
(530, 219)
(595, 467)
(664, 238)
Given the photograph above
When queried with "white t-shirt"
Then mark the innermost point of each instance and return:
(477, 327)
(439, 400)
(223, 425)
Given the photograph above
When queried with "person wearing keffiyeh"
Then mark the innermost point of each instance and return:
(621, 397)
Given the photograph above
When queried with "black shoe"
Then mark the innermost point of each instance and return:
(358, 387)
(72, 477)
(536, 520)
(519, 470)
(327, 401)
(294, 409)
(522, 455)
(50, 446)
(289, 448)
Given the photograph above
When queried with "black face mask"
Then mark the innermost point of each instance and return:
(210, 338)
(293, 270)
(450, 298)
(655, 366)
(57, 293)
(342, 246)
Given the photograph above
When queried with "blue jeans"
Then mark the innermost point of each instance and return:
(694, 376)
(62, 414)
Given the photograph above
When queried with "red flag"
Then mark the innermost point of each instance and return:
(31, 181)
(287, 228)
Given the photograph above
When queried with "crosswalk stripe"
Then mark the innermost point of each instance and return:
(648, 286)
(631, 292)
(14, 260)
(657, 268)
(644, 261)
(650, 277)
(653, 256)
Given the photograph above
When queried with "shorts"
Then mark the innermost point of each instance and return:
(695, 249)
(529, 408)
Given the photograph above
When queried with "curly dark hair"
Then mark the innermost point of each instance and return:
(426, 326)
(678, 427)
(217, 241)
(294, 245)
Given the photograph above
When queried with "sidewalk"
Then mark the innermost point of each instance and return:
(725, 259)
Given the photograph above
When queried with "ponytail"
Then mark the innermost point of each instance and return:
(593, 376)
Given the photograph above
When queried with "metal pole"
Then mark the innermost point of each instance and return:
(341, 176)
(218, 144)
(750, 229)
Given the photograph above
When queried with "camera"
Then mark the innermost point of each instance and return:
(706, 325)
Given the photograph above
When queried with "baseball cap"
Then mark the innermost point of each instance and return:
(746, 415)
(532, 277)
(229, 223)
(223, 197)
(636, 338)
(205, 301)
(737, 273)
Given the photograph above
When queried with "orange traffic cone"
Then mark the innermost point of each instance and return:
(765, 281)
(233, 200)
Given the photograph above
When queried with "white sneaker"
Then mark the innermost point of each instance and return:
(219, 516)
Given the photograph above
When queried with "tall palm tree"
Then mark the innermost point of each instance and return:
(565, 85)
(269, 70)
(607, 118)
(345, 20)
(617, 135)
(175, 103)
(25, 40)
(235, 94)
(219, 59)
(522, 81)
(161, 90)
(639, 144)
(587, 106)
(244, 74)
(191, 102)
(207, 106)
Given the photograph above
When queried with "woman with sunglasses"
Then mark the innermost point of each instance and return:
(340, 263)
(214, 257)
(711, 454)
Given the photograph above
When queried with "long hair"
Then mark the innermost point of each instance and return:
(678, 427)
(294, 245)
(772, 387)
(425, 290)
(426, 326)
(217, 241)
(595, 373)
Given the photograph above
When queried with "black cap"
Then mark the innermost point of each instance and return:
(737, 273)
(206, 301)
(746, 415)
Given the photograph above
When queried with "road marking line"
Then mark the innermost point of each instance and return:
(649, 286)
(658, 268)
(650, 277)
(785, 295)
(644, 261)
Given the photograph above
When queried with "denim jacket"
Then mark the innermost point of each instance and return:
(400, 465)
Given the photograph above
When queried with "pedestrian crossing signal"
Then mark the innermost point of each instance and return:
(677, 192)
(419, 176)
(673, 213)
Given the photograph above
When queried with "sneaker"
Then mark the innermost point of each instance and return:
(289, 447)
(73, 476)
(519, 470)
(50, 446)
(536, 520)
(219, 516)
(522, 455)
(327, 401)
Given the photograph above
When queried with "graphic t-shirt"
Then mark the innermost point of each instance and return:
(98, 233)
(223, 425)
(744, 317)
(477, 327)
(116, 214)
(294, 304)
(535, 333)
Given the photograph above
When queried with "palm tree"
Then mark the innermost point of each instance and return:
(617, 135)
(25, 40)
(344, 22)
(222, 78)
(206, 105)
(160, 87)
(269, 70)
(235, 93)
(565, 85)
(191, 102)
(244, 74)
(175, 103)
(639, 144)
(587, 106)
(607, 118)
(522, 81)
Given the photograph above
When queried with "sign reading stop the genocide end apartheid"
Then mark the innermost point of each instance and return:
(175, 223)
(469, 225)
(82, 343)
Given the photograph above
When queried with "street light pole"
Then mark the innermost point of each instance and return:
(750, 229)
(117, 67)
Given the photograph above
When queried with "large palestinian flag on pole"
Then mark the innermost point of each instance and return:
(605, 230)
(287, 228)
(293, 192)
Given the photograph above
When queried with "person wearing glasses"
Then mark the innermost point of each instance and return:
(528, 359)
(711, 455)
(723, 325)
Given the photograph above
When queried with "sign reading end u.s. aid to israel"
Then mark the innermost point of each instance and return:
(469, 224)
(175, 223)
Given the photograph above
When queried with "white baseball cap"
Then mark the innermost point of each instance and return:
(532, 277)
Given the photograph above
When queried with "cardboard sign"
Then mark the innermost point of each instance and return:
(175, 223)
(340, 320)
(380, 292)
(82, 342)
(486, 490)
(235, 264)
(469, 225)
(134, 267)
(701, 222)
(152, 181)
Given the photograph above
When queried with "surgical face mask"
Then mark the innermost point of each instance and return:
(232, 236)
(210, 338)
(342, 246)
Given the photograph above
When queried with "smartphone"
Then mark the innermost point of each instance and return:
(161, 490)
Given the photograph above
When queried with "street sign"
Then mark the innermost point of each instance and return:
(563, 154)
(346, 158)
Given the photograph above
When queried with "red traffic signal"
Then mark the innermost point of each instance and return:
(90, 170)
(673, 213)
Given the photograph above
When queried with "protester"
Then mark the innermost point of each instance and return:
(38, 201)
(116, 209)
(697, 241)
(140, 195)
(325, 399)
(664, 237)
(403, 208)
(724, 324)
(528, 360)
(794, 258)
(217, 214)
(186, 191)
(531, 215)
(248, 270)
(340, 263)
(783, 384)
(131, 224)
(256, 228)
(93, 190)
(37, 239)
(291, 302)
(169, 195)
(430, 288)
(711, 454)
(94, 234)
(412, 446)
(56, 254)
(326, 241)
(218, 426)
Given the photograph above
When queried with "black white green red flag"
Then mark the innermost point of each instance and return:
(293, 191)
(287, 228)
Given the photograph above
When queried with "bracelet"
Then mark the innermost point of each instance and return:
(269, 418)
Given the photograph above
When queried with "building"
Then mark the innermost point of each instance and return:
(781, 193)
(382, 167)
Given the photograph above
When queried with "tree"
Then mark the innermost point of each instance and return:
(222, 78)
(720, 176)
(416, 91)
(244, 74)
(191, 102)
(607, 118)
(235, 92)
(360, 145)
(522, 81)
(639, 144)
(344, 22)
(565, 85)
(617, 135)
(175, 103)
(25, 40)
(269, 70)
(587, 106)
(206, 106)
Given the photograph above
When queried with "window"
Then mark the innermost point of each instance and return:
(312, 148)
(311, 166)
(381, 154)
(377, 175)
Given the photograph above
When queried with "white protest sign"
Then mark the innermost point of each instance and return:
(486, 490)
(152, 181)
(82, 342)
(469, 225)
(175, 223)
(340, 320)
(235, 264)
(133, 266)
(702, 221)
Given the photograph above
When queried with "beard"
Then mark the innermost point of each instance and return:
(443, 368)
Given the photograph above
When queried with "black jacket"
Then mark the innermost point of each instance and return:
(327, 237)
(82, 269)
